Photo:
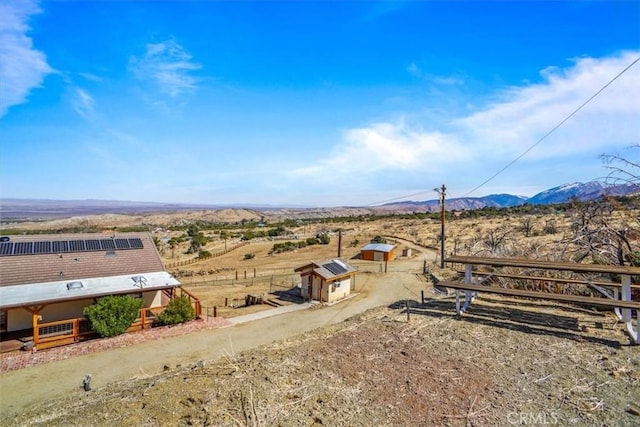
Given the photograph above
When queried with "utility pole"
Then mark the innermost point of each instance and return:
(443, 192)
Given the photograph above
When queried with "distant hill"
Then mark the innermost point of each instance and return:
(466, 203)
(562, 194)
(588, 191)
(40, 209)
(51, 209)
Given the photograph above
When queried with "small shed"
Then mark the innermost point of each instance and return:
(327, 281)
(378, 252)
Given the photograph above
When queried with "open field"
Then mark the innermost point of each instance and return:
(359, 362)
(539, 365)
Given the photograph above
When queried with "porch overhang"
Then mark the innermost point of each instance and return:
(34, 294)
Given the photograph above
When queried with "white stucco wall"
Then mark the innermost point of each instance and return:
(339, 292)
(19, 318)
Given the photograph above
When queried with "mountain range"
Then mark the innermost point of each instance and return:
(47, 209)
(562, 194)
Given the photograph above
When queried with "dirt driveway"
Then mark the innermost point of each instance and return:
(22, 388)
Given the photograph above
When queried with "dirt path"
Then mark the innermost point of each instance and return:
(22, 388)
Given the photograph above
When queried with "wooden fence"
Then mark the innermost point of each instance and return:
(199, 259)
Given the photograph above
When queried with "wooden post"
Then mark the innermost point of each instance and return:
(406, 303)
(385, 265)
(422, 296)
(442, 238)
(339, 242)
(215, 311)
(254, 272)
(76, 328)
(35, 317)
(143, 317)
(236, 274)
(245, 274)
(226, 301)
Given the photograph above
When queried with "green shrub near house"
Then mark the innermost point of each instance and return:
(112, 315)
(179, 310)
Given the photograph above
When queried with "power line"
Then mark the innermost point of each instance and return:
(398, 198)
(528, 149)
(554, 129)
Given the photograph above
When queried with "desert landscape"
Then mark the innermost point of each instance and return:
(361, 361)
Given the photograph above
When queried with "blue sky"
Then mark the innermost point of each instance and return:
(321, 103)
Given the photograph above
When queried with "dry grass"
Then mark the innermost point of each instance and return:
(377, 369)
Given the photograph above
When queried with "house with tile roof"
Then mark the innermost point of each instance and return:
(327, 281)
(46, 281)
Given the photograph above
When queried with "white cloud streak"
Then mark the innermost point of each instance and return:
(384, 147)
(525, 114)
(503, 130)
(22, 67)
(167, 64)
(83, 103)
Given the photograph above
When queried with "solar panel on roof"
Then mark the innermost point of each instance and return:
(136, 243)
(59, 246)
(6, 248)
(23, 248)
(122, 244)
(66, 246)
(42, 247)
(107, 244)
(92, 245)
(335, 268)
(76, 246)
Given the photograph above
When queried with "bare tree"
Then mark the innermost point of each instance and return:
(596, 234)
(496, 239)
(526, 226)
(622, 170)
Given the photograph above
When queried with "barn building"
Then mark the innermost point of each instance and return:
(378, 252)
(46, 281)
(327, 281)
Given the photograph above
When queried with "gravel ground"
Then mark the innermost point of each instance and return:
(505, 362)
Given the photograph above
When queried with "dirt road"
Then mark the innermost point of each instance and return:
(22, 388)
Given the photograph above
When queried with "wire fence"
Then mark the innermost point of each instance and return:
(286, 280)
(199, 259)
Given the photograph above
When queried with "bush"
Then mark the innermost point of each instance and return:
(204, 254)
(323, 238)
(249, 256)
(112, 315)
(179, 310)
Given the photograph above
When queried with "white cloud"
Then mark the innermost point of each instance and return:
(22, 67)
(91, 77)
(414, 70)
(386, 147)
(485, 140)
(525, 114)
(168, 65)
(453, 80)
(82, 103)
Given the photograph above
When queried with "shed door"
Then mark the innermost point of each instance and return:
(378, 256)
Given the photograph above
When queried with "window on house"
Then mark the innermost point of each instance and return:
(3, 320)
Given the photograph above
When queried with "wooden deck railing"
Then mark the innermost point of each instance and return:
(68, 331)
(194, 301)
